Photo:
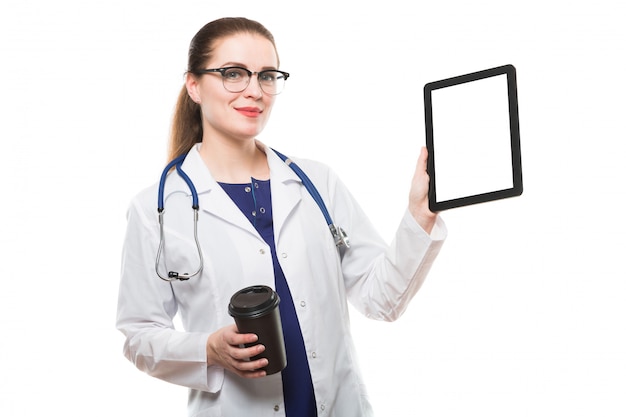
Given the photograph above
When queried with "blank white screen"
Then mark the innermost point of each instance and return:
(472, 141)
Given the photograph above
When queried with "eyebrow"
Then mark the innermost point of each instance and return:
(239, 64)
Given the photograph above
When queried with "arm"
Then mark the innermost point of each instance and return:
(145, 312)
(146, 308)
(382, 279)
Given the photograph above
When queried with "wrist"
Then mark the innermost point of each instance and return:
(425, 218)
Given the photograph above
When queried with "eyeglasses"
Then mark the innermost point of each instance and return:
(237, 79)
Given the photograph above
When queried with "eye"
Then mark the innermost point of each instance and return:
(234, 74)
(269, 76)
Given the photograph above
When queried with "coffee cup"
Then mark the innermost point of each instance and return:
(255, 310)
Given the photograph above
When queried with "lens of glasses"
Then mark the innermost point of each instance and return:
(237, 79)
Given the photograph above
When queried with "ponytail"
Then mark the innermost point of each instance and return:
(186, 125)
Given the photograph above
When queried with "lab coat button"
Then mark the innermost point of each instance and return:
(314, 355)
(262, 251)
(302, 304)
(323, 407)
(284, 255)
(276, 407)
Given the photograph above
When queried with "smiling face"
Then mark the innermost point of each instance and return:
(234, 116)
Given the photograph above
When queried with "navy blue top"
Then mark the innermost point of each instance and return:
(255, 201)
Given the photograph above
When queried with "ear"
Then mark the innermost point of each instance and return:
(191, 82)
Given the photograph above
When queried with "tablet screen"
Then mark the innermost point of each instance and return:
(472, 136)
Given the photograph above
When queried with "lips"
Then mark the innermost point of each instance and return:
(249, 111)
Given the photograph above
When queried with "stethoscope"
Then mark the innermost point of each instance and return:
(339, 235)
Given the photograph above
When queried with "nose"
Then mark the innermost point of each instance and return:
(253, 89)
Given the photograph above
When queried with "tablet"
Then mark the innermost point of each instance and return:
(472, 137)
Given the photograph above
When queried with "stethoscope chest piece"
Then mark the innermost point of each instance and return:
(340, 236)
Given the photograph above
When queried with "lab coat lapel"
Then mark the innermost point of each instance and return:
(286, 190)
(211, 197)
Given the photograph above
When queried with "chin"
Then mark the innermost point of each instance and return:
(253, 132)
(246, 136)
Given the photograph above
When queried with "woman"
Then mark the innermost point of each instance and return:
(258, 225)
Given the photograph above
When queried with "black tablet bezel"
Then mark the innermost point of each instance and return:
(516, 162)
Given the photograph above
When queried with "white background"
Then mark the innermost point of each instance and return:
(523, 314)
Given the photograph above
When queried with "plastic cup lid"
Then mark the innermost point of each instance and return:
(253, 301)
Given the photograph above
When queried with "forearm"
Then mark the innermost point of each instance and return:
(173, 356)
(384, 291)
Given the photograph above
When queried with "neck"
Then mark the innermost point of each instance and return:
(234, 162)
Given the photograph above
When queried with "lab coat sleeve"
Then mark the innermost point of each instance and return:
(146, 307)
(382, 279)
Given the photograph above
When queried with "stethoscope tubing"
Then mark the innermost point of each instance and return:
(177, 162)
(173, 275)
(339, 235)
(308, 184)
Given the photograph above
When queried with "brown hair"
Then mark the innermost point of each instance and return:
(187, 121)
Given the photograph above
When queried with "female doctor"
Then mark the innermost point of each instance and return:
(258, 225)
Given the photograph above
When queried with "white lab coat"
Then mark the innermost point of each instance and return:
(379, 280)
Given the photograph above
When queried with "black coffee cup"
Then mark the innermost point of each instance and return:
(255, 310)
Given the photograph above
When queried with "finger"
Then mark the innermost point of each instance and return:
(420, 176)
(234, 338)
(252, 366)
(252, 374)
(238, 339)
(423, 159)
(245, 353)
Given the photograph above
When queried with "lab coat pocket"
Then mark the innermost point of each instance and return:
(205, 404)
(210, 412)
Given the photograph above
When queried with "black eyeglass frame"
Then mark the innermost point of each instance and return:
(222, 71)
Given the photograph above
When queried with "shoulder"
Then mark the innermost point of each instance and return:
(145, 201)
(320, 173)
(324, 177)
(313, 168)
(311, 165)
